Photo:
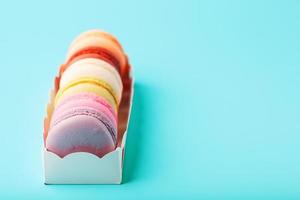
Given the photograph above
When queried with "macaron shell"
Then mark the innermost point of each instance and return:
(75, 104)
(86, 110)
(97, 33)
(86, 87)
(80, 133)
(94, 41)
(93, 68)
(84, 96)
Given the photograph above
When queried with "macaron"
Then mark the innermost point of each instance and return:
(82, 123)
(95, 69)
(95, 86)
(88, 93)
(97, 44)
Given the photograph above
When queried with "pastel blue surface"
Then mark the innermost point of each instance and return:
(216, 108)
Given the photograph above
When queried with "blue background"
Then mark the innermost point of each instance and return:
(216, 108)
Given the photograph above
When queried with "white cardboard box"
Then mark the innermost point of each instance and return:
(86, 168)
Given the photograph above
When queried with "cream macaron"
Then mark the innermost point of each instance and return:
(96, 69)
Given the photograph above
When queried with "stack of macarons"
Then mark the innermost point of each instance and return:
(89, 92)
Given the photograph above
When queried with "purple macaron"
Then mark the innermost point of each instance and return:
(83, 122)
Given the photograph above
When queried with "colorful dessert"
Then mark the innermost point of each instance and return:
(100, 45)
(87, 97)
(95, 69)
(82, 122)
(87, 85)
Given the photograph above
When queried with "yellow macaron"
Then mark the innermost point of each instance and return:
(87, 84)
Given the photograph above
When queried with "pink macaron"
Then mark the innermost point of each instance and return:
(83, 122)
